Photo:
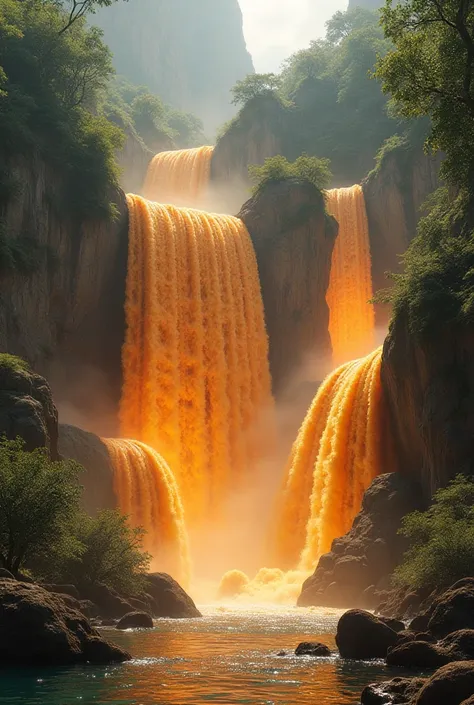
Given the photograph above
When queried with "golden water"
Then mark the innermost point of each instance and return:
(179, 177)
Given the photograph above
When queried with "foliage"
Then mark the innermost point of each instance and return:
(14, 363)
(430, 72)
(37, 497)
(278, 168)
(52, 83)
(111, 553)
(20, 254)
(442, 539)
(253, 85)
(77, 9)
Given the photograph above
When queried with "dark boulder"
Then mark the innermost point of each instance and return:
(418, 654)
(312, 648)
(453, 611)
(169, 599)
(419, 623)
(407, 635)
(360, 635)
(398, 691)
(38, 628)
(450, 685)
(396, 624)
(109, 603)
(4, 573)
(27, 408)
(460, 645)
(64, 590)
(135, 620)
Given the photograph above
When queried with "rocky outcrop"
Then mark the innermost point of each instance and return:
(453, 611)
(451, 684)
(394, 692)
(168, 599)
(360, 635)
(190, 54)
(109, 603)
(26, 407)
(38, 628)
(66, 317)
(135, 620)
(356, 570)
(97, 478)
(419, 655)
(394, 194)
(429, 387)
(293, 239)
(312, 648)
(133, 159)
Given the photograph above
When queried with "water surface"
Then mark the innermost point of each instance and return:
(228, 657)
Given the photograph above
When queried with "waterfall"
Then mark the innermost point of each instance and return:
(179, 177)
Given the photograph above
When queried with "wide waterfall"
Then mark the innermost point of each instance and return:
(179, 177)
(351, 315)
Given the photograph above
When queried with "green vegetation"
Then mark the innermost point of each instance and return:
(442, 539)
(43, 529)
(12, 362)
(333, 108)
(428, 74)
(278, 168)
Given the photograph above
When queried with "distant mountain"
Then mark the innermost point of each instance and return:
(369, 4)
(189, 52)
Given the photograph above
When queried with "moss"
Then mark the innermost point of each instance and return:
(14, 363)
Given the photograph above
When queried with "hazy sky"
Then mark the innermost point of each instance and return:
(276, 28)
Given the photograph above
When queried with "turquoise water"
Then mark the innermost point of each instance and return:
(228, 657)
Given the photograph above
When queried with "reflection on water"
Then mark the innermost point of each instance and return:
(227, 657)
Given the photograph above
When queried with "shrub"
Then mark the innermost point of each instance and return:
(278, 168)
(442, 539)
(12, 362)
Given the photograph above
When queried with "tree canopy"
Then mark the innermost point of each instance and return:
(278, 168)
(253, 85)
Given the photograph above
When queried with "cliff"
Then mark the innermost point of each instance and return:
(65, 315)
(293, 239)
(394, 194)
(189, 53)
(369, 4)
(429, 386)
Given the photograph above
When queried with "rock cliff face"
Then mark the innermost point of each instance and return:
(430, 390)
(189, 53)
(66, 317)
(293, 239)
(394, 195)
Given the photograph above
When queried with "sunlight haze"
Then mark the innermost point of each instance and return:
(274, 30)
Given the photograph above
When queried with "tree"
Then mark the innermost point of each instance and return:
(342, 24)
(253, 85)
(442, 539)
(431, 72)
(77, 9)
(112, 553)
(37, 499)
(278, 168)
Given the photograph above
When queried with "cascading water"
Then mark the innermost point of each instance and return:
(148, 494)
(179, 177)
(351, 315)
(195, 357)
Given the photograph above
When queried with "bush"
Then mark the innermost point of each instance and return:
(442, 539)
(12, 362)
(37, 499)
(111, 553)
(278, 168)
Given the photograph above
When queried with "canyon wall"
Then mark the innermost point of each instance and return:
(189, 53)
(66, 315)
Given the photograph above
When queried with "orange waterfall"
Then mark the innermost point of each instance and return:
(148, 494)
(180, 177)
(195, 357)
(351, 316)
(337, 454)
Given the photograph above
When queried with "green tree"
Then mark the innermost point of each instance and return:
(442, 539)
(112, 553)
(77, 9)
(278, 168)
(37, 499)
(253, 85)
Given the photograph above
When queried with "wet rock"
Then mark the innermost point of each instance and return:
(396, 624)
(450, 685)
(418, 654)
(397, 691)
(419, 623)
(460, 644)
(109, 603)
(312, 648)
(454, 611)
(282, 653)
(360, 635)
(169, 598)
(38, 628)
(407, 635)
(135, 620)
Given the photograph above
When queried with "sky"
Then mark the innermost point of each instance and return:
(274, 29)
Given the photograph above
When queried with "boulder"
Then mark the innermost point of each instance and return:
(360, 635)
(38, 628)
(419, 623)
(454, 610)
(418, 654)
(396, 624)
(407, 635)
(450, 685)
(169, 599)
(135, 620)
(64, 590)
(460, 644)
(312, 648)
(109, 603)
(4, 573)
(397, 691)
